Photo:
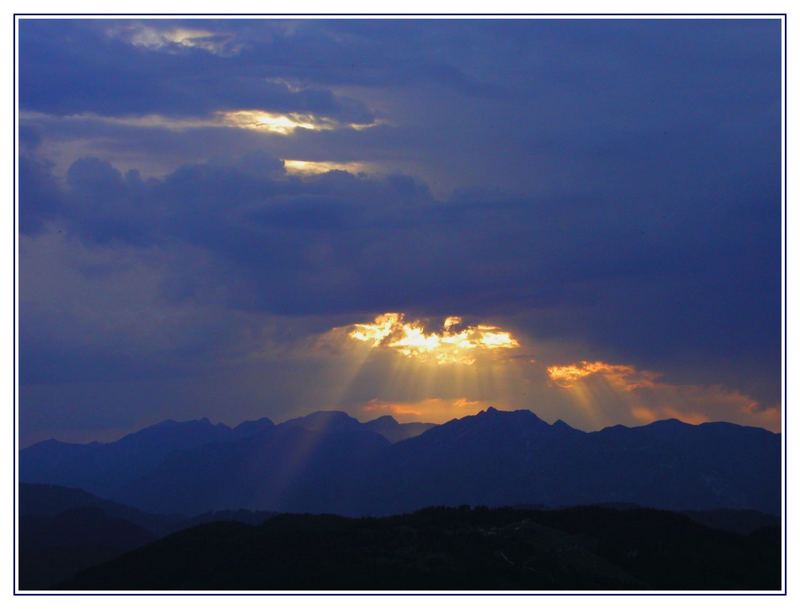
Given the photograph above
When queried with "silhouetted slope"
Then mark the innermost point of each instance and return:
(105, 468)
(288, 468)
(46, 501)
(63, 530)
(55, 548)
(493, 458)
(329, 462)
(451, 549)
(102, 467)
(735, 521)
(674, 465)
(511, 458)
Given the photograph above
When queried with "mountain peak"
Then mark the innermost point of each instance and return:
(386, 419)
(522, 414)
(392, 430)
(324, 420)
(560, 424)
(246, 428)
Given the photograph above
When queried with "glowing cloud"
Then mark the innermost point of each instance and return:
(171, 39)
(314, 167)
(274, 122)
(455, 343)
(282, 123)
(646, 398)
(627, 377)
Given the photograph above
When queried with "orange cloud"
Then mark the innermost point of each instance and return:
(643, 398)
(627, 377)
(455, 343)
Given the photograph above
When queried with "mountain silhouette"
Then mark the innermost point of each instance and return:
(100, 467)
(510, 458)
(585, 548)
(330, 462)
(337, 421)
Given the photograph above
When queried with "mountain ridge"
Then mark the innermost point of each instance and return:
(329, 461)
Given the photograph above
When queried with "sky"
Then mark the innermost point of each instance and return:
(235, 219)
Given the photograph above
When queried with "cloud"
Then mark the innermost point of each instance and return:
(627, 378)
(40, 190)
(455, 343)
(108, 68)
(646, 398)
(311, 167)
(174, 38)
(341, 244)
(609, 187)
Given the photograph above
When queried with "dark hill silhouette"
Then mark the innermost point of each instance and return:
(329, 462)
(63, 530)
(452, 549)
(734, 521)
(45, 501)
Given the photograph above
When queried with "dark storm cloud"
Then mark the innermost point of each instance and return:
(615, 184)
(105, 74)
(695, 271)
(40, 190)
(632, 106)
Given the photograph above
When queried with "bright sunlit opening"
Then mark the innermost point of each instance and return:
(316, 167)
(282, 124)
(455, 343)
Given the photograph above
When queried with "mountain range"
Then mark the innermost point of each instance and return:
(328, 462)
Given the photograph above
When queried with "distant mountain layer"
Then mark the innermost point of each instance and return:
(329, 462)
(590, 548)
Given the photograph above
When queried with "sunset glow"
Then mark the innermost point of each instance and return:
(455, 343)
(432, 410)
